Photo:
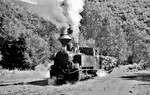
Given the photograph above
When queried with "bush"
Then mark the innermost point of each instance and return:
(24, 52)
(13, 54)
(143, 65)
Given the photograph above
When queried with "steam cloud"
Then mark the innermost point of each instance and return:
(60, 12)
(75, 7)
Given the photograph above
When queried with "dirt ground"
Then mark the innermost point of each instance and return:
(119, 82)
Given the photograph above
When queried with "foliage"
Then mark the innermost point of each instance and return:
(26, 39)
(13, 54)
(120, 28)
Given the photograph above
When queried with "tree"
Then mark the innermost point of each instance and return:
(120, 28)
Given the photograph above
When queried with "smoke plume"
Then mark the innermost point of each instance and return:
(75, 7)
(50, 10)
(60, 12)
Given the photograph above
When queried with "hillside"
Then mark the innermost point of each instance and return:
(26, 38)
(119, 28)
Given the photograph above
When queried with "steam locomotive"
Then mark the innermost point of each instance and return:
(73, 64)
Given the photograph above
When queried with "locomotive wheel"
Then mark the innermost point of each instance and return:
(52, 72)
(73, 78)
(76, 76)
(60, 79)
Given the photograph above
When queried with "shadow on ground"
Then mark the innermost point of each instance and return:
(138, 76)
(146, 84)
(39, 82)
(43, 82)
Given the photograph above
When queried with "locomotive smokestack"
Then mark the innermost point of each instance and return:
(64, 38)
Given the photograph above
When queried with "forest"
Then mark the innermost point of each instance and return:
(118, 28)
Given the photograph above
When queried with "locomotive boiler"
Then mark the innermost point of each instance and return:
(73, 63)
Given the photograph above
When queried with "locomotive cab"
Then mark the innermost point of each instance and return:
(87, 60)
